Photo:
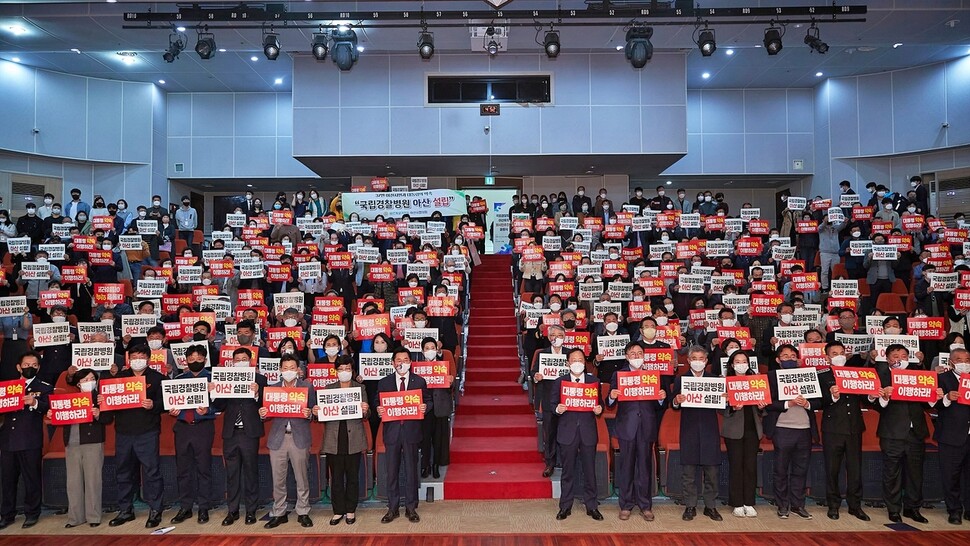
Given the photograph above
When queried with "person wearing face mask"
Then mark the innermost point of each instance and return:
(879, 273)
(186, 220)
(902, 435)
(136, 442)
(289, 443)
(639, 200)
(44, 211)
(282, 231)
(54, 216)
(33, 288)
(106, 273)
(606, 368)
(436, 437)
(742, 431)
(31, 225)
(951, 429)
(194, 432)
(785, 315)
(402, 438)
(842, 428)
(546, 399)
(329, 353)
(98, 209)
(792, 428)
(636, 427)
(344, 442)
(579, 200)
(700, 445)
(316, 205)
(21, 445)
(888, 213)
(708, 207)
(577, 435)
(75, 206)
(662, 202)
(922, 201)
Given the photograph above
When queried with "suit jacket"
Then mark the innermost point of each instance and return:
(897, 418)
(732, 427)
(356, 439)
(700, 442)
(777, 407)
(405, 432)
(300, 428)
(547, 398)
(577, 425)
(953, 423)
(636, 416)
(24, 429)
(843, 416)
(249, 407)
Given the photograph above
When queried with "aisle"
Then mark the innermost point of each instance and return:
(494, 452)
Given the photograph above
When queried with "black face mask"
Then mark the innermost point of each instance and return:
(568, 324)
(196, 367)
(28, 373)
(198, 336)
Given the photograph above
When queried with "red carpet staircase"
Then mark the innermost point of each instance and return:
(493, 451)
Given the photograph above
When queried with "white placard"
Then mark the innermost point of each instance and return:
(412, 338)
(35, 271)
(797, 203)
(397, 256)
(797, 382)
(129, 242)
(232, 382)
(690, 221)
(251, 270)
(885, 252)
(270, 368)
(285, 300)
(190, 274)
(185, 394)
(13, 306)
(320, 332)
(881, 342)
(50, 334)
(612, 347)
(55, 252)
(340, 404)
(690, 284)
(703, 392)
(137, 325)
(375, 366)
(18, 245)
(96, 356)
(552, 366)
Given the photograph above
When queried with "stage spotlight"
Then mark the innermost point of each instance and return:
(320, 46)
(175, 47)
(490, 44)
(814, 42)
(271, 46)
(551, 44)
(772, 40)
(344, 51)
(639, 50)
(426, 44)
(206, 46)
(706, 42)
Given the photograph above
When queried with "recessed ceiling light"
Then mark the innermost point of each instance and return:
(706, 75)
(729, 52)
(818, 74)
(254, 58)
(161, 82)
(17, 30)
(249, 185)
(897, 44)
(180, 29)
(619, 48)
(111, 1)
(127, 57)
(222, 50)
(669, 182)
(75, 50)
(15, 59)
(360, 48)
(278, 81)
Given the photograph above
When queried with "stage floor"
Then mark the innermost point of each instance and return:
(529, 521)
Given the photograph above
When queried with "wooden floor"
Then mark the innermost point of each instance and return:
(882, 538)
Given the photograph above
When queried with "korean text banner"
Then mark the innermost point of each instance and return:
(419, 204)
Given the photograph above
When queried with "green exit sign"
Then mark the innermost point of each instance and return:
(489, 180)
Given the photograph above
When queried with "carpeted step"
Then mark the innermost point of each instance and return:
(494, 427)
(513, 449)
(495, 404)
(491, 374)
(493, 387)
(507, 481)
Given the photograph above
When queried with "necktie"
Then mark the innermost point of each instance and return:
(239, 420)
(402, 384)
(190, 416)
(577, 380)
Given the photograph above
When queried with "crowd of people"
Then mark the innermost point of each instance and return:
(109, 315)
(668, 293)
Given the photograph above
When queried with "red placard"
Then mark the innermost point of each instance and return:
(122, 393)
(578, 340)
(101, 257)
(157, 361)
(786, 266)
(661, 361)
(321, 375)
(109, 293)
(171, 302)
(904, 243)
(765, 305)
(71, 409)
(594, 223)
(697, 319)
(378, 184)
(914, 386)
(410, 295)
(639, 385)
(185, 260)
(611, 268)
(913, 222)
(221, 269)
(714, 223)
(748, 390)
(430, 257)
(368, 326)
(812, 355)
(961, 299)
(686, 250)
(532, 253)
(435, 373)
(842, 303)
(631, 254)
(252, 298)
(386, 232)
(84, 243)
(473, 233)
(748, 246)
(402, 405)
(638, 310)
(757, 226)
(563, 289)
(856, 380)
(653, 286)
(668, 270)
(614, 231)
(862, 214)
(579, 396)
(340, 260)
(478, 206)
(806, 226)
(935, 223)
(822, 204)
(442, 306)
(50, 298)
(882, 226)
(358, 189)
(963, 395)
(668, 220)
(275, 335)
(926, 327)
(74, 274)
(380, 273)
(12, 395)
(328, 302)
(286, 402)
(104, 223)
(281, 217)
(806, 282)
(279, 272)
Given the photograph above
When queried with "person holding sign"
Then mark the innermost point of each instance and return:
(194, 431)
(33, 285)
(952, 429)
(791, 426)
(700, 446)
(344, 442)
(436, 442)
(22, 443)
(637, 422)
(402, 438)
(902, 435)
(84, 458)
(241, 430)
(136, 441)
(577, 436)
(289, 444)
(742, 432)
(546, 398)
(842, 428)
(879, 273)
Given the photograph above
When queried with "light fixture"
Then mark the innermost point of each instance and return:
(75, 50)
(360, 49)
(706, 42)
(175, 46)
(180, 29)
(669, 182)
(639, 50)
(17, 30)
(818, 74)
(426, 43)
(344, 51)
(161, 82)
(491, 46)
(619, 48)
(271, 46)
(15, 59)
(772, 39)
(206, 45)
(729, 52)
(897, 45)
(222, 50)
(706, 75)
(278, 81)
(814, 42)
(320, 46)
(254, 58)
(551, 43)
(127, 57)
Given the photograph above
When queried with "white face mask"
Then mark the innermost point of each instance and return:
(669, 307)
(554, 306)
(729, 322)
(707, 198)
(344, 376)
(59, 318)
(901, 365)
(138, 364)
(557, 342)
(606, 206)
(731, 351)
(892, 331)
(838, 360)
(697, 365)
(611, 326)
(954, 346)
(107, 246)
(787, 318)
(572, 307)
(430, 354)
(638, 298)
(962, 368)
(413, 284)
(635, 363)
(661, 320)
(332, 351)
(420, 323)
(290, 322)
(288, 375)
(154, 344)
(87, 386)
(741, 369)
(577, 368)
(403, 368)
(206, 282)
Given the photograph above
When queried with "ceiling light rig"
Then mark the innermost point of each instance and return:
(206, 44)
(176, 43)
(705, 41)
(271, 45)
(320, 45)
(345, 51)
(813, 41)
(489, 43)
(772, 41)
(551, 43)
(425, 42)
(639, 49)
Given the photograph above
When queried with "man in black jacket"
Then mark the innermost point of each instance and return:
(953, 436)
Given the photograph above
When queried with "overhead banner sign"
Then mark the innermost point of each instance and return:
(418, 204)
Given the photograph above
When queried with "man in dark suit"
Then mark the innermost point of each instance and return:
(241, 430)
(842, 428)
(700, 442)
(922, 194)
(546, 399)
(953, 436)
(22, 443)
(577, 435)
(902, 435)
(402, 438)
(636, 429)
(194, 431)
